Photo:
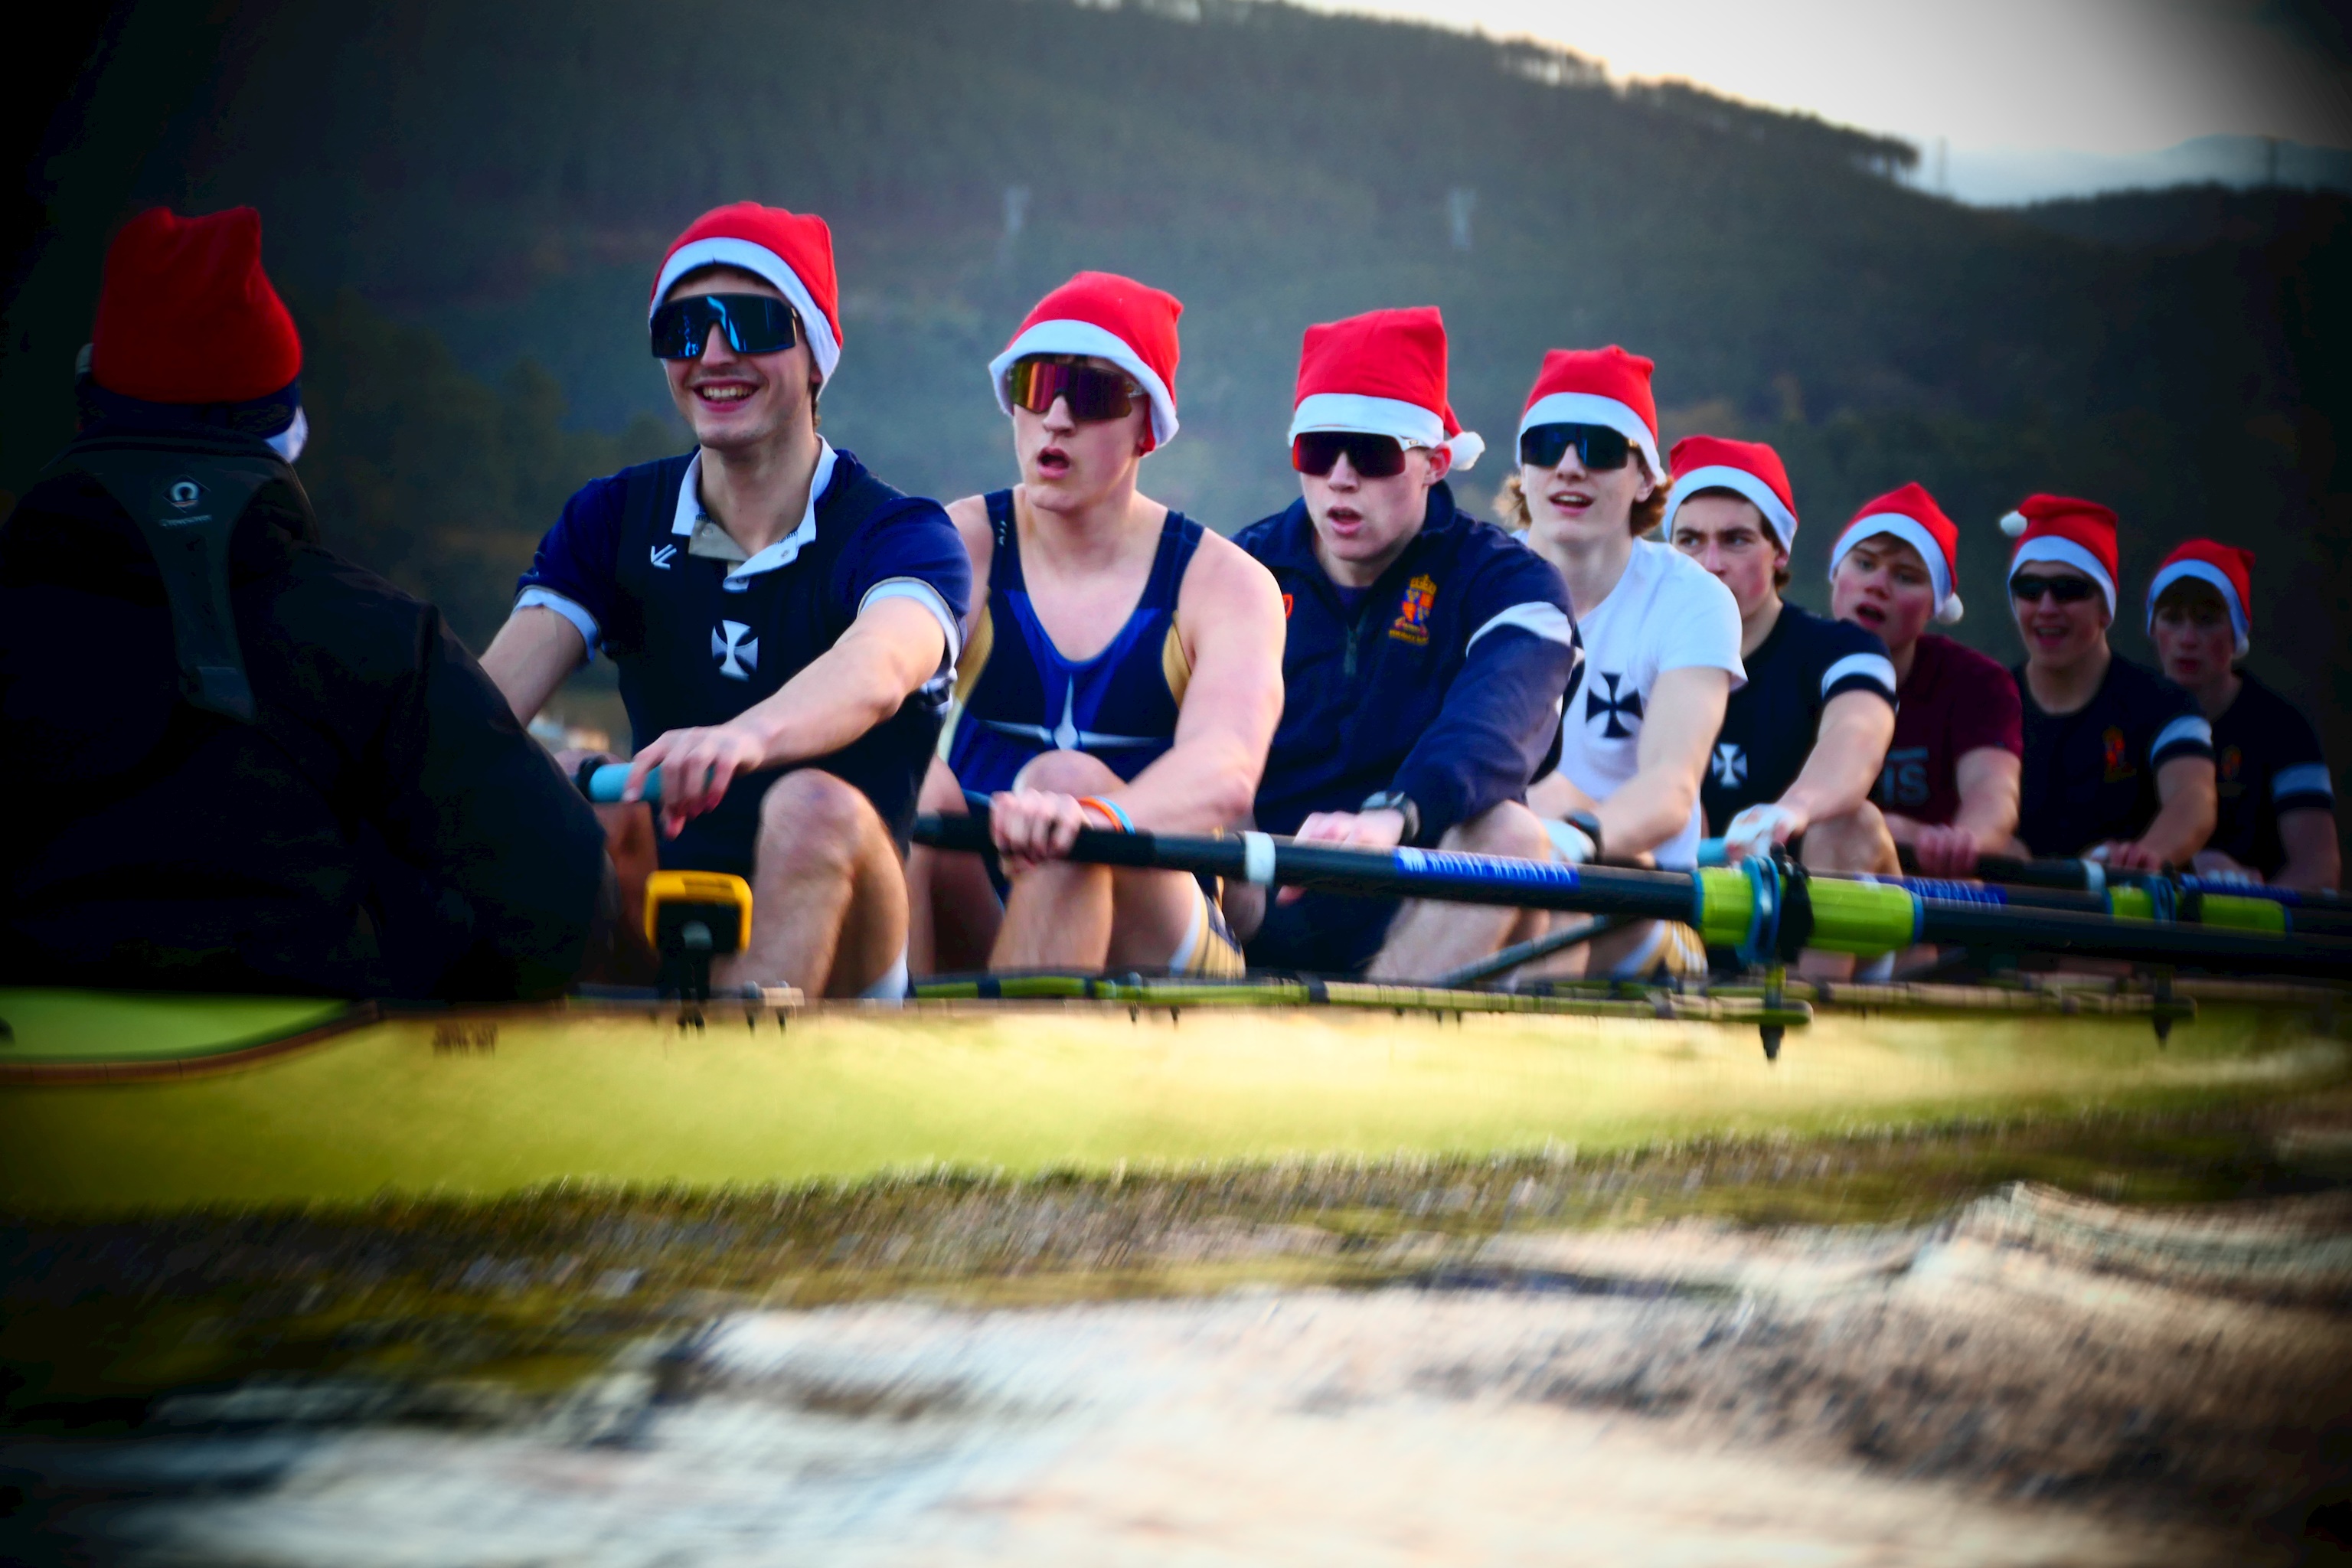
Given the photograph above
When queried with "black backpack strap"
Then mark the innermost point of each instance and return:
(186, 505)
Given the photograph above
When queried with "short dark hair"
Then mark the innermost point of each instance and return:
(1780, 573)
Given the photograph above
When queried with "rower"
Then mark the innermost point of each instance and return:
(785, 623)
(1661, 640)
(2118, 761)
(1949, 788)
(1803, 742)
(247, 764)
(1121, 671)
(2277, 803)
(1425, 659)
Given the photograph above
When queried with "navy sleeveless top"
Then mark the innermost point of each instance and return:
(1017, 696)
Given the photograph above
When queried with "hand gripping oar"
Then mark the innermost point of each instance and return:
(1766, 910)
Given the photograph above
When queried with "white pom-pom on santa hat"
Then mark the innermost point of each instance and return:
(2014, 523)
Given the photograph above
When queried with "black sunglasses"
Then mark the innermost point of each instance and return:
(2027, 588)
(1372, 457)
(754, 324)
(1092, 393)
(1598, 446)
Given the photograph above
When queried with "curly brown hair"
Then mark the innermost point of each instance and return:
(1511, 506)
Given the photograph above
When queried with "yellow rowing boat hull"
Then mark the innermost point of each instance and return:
(315, 1106)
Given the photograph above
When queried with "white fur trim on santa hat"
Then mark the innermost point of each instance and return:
(2204, 571)
(761, 262)
(1723, 477)
(1909, 530)
(1408, 422)
(2060, 551)
(1069, 337)
(1591, 409)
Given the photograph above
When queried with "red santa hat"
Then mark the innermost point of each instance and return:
(2228, 568)
(2065, 531)
(791, 251)
(1598, 387)
(1382, 373)
(1751, 469)
(185, 314)
(1104, 315)
(1911, 515)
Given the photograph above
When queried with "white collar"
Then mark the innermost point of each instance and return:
(785, 551)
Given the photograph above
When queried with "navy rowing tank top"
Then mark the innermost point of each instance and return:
(1017, 696)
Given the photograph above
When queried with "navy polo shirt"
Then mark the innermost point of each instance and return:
(1771, 723)
(2090, 775)
(1443, 679)
(2266, 762)
(701, 632)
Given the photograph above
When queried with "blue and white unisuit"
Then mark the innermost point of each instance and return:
(1020, 696)
(701, 631)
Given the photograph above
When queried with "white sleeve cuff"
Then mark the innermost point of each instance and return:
(923, 594)
(547, 599)
(1871, 669)
(1546, 621)
(2190, 733)
(2303, 779)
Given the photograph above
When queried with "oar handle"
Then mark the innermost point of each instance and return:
(2093, 876)
(602, 784)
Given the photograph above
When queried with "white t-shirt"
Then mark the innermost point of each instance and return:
(1666, 613)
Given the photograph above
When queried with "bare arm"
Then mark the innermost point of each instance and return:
(970, 516)
(1849, 749)
(1678, 729)
(891, 648)
(532, 655)
(1229, 614)
(1988, 779)
(2183, 822)
(2315, 862)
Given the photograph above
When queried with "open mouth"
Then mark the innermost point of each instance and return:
(1573, 502)
(1052, 463)
(724, 393)
(1345, 518)
(1870, 616)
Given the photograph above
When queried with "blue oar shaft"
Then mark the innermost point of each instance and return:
(604, 783)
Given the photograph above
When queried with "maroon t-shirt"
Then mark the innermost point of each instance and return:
(1954, 701)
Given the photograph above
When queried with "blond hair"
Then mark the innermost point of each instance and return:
(1511, 504)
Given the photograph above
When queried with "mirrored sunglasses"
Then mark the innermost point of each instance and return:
(754, 324)
(1598, 446)
(1092, 392)
(1317, 452)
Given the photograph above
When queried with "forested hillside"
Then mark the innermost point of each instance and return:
(500, 180)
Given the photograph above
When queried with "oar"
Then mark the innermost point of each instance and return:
(1767, 911)
(604, 784)
(2092, 876)
(2128, 895)
(1526, 952)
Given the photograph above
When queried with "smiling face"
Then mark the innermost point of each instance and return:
(2058, 636)
(1067, 464)
(2194, 639)
(1361, 525)
(738, 403)
(1882, 586)
(1726, 533)
(1573, 505)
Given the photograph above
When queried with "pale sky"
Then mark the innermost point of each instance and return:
(2109, 77)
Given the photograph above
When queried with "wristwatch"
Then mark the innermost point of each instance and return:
(1588, 825)
(1396, 800)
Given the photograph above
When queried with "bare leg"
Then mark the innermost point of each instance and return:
(829, 894)
(1069, 916)
(1856, 842)
(952, 913)
(629, 840)
(1429, 938)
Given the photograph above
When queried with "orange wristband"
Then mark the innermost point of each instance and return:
(1119, 818)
